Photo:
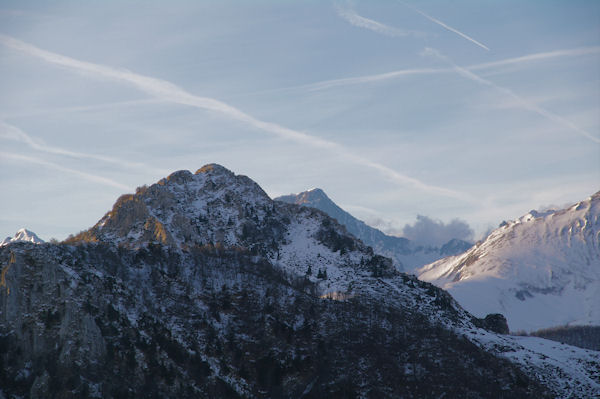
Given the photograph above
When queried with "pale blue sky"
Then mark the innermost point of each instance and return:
(478, 110)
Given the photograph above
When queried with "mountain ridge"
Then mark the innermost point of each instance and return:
(407, 255)
(541, 270)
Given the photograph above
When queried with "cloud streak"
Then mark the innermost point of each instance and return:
(327, 84)
(81, 108)
(519, 100)
(448, 27)
(10, 132)
(86, 176)
(576, 52)
(365, 79)
(361, 22)
(169, 92)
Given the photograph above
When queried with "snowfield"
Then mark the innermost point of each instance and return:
(541, 270)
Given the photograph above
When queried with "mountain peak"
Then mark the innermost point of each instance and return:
(316, 191)
(312, 196)
(308, 197)
(22, 235)
(214, 168)
(211, 206)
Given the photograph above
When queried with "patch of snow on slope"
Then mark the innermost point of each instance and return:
(568, 370)
(302, 250)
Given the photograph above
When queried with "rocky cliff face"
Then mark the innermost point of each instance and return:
(201, 286)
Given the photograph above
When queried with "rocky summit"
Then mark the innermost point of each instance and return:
(202, 286)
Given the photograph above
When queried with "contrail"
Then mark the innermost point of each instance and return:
(451, 29)
(169, 92)
(86, 176)
(327, 84)
(80, 108)
(359, 21)
(576, 52)
(524, 103)
(11, 132)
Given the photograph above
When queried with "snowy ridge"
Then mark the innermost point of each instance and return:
(541, 270)
(23, 235)
(407, 256)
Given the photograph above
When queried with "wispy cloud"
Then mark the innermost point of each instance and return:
(359, 21)
(80, 108)
(169, 92)
(448, 27)
(10, 132)
(519, 100)
(517, 61)
(86, 176)
(327, 84)
(575, 52)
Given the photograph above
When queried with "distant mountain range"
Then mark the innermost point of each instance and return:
(22, 235)
(407, 255)
(201, 286)
(541, 270)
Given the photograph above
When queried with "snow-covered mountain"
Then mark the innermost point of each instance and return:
(22, 235)
(202, 286)
(541, 270)
(407, 255)
(218, 208)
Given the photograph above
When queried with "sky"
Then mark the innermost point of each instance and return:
(462, 113)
